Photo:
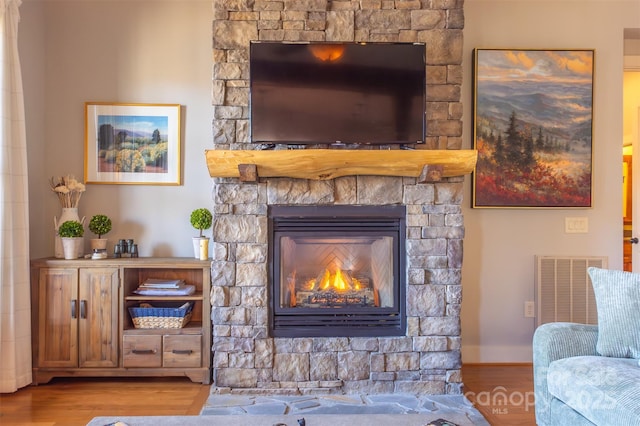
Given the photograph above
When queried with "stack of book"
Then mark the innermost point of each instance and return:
(164, 287)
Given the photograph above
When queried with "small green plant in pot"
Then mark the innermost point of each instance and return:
(71, 233)
(201, 219)
(100, 225)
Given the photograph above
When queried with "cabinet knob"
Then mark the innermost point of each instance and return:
(633, 240)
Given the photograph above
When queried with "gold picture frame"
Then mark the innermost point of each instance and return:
(132, 143)
(533, 128)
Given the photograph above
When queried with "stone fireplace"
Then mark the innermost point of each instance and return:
(424, 356)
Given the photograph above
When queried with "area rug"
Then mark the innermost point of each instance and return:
(260, 420)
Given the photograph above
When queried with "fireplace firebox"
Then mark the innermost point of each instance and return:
(337, 271)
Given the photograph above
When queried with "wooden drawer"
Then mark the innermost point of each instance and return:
(142, 351)
(182, 351)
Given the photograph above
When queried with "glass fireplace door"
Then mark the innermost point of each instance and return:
(337, 271)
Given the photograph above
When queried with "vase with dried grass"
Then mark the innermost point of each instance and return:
(69, 191)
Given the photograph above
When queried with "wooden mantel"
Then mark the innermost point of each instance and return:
(325, 164)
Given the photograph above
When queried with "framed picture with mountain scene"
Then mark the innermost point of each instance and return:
(533, 127)
(132, 143)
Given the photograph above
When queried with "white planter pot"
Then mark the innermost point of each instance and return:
(70, 213)
(70, 247)
(201, 248)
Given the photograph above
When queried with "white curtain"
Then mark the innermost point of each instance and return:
(15, 311)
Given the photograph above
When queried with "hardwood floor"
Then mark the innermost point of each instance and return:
(500, 392)
(75, 401)
(503, 393)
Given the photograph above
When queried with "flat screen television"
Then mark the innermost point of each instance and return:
(337, 93)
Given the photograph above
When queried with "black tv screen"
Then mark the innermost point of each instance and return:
(344, 93)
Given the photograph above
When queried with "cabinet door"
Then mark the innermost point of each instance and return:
(57, 317)
(98, 317)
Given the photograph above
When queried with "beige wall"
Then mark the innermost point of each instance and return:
(160, 52)
(116, 51)
(500, 244)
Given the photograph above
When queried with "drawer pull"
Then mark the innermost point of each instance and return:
(73, 309)
(143, 351)
(182, 351)
(83, 309)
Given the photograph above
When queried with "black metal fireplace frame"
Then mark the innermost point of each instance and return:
(344, 322)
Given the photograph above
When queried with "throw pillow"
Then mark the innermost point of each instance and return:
(617, 295)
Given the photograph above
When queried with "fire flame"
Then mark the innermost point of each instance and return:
(339, 281)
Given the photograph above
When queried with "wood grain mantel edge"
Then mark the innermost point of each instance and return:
(325, 164)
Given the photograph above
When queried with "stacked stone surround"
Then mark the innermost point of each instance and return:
(425, 360)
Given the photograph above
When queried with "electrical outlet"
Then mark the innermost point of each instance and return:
(529, 309)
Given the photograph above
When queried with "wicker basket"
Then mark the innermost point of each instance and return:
(163, 315)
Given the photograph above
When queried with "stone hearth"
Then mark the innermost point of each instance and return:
(426, 360)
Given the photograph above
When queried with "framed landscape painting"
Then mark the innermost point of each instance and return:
(533, 126)
(132, 143)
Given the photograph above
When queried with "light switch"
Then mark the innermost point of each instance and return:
(576, 225)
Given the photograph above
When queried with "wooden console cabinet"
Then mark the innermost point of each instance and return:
(81, 324)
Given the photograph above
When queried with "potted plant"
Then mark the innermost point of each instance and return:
(71, 233)
(100, 225)
(201, 219)
(68, 190)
